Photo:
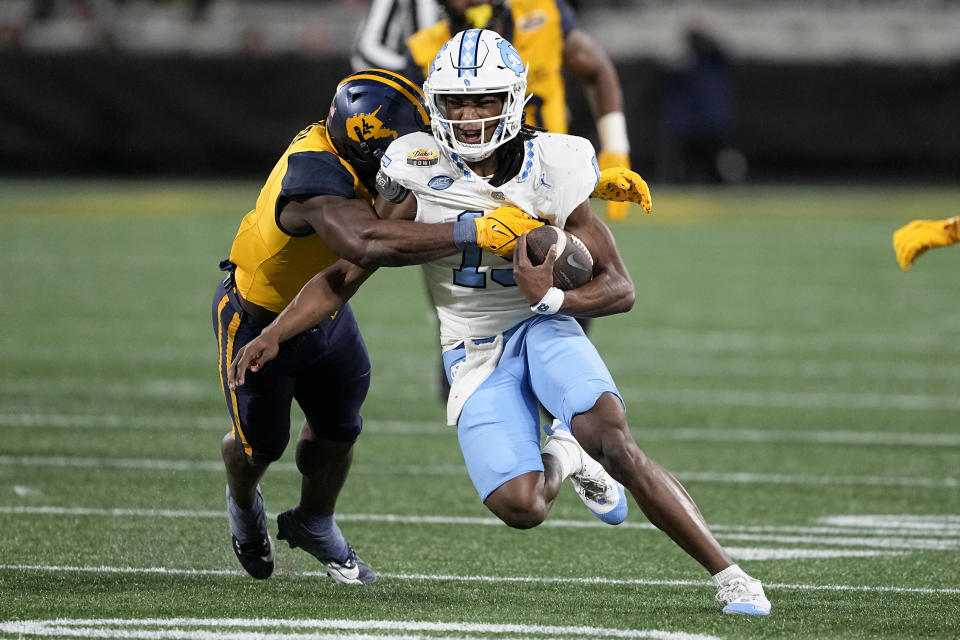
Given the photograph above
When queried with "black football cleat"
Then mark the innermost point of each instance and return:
(348, 570)
(256, 556)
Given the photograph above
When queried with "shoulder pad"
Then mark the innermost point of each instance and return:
(315, 173)
(411, 157)
(562, 150)
(404, 145)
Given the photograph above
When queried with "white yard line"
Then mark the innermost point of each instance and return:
(885, 343)
(777, 399)
(151, 464)
(436, 427)
(933, 539)
(803, 479)
(230, 628)
(802, 436)
(757, 554)
(906, 521)
(493, 579)
(792, 399)
(724, 366)
(112, 421)
(655, 361)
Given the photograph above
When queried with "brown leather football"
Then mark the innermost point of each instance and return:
(574, 265)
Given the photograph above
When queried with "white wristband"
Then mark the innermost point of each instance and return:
(612, 131)
(550, 303)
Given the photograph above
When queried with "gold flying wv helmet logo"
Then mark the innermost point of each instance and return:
(367, 126)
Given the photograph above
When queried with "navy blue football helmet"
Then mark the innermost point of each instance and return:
(371, 109)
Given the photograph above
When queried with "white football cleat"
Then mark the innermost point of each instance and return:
(603, 495)
(743, 595)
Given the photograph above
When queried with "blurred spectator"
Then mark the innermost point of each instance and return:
(11, 36)
(85, 9)
(382, 36)
(698, 113)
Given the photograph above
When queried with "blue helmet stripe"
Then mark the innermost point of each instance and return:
(468, 53)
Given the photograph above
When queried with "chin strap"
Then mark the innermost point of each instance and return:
(364, 147)
(373, 183)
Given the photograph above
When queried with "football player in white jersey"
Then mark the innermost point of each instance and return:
(507, 334)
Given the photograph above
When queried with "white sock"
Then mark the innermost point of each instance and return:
(733, 571)
(567, 454)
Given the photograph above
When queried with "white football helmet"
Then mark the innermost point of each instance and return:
(476, 61)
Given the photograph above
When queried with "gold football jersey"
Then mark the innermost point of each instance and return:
(538, 37)
(272, 264)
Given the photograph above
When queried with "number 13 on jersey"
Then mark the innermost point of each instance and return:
(469, 274)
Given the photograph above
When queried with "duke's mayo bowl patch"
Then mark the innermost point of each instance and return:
(422, 157)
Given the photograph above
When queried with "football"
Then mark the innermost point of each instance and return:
(574, 265)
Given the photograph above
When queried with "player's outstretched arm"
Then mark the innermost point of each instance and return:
(619, 184)
(610, 291)
(915, 238)
(389, 237)
(355, 232)
(319, 298)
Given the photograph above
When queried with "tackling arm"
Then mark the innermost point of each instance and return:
(352, 229)
(610, 291)
(392, 241)
(319, 298)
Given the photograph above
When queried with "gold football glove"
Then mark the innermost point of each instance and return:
(912, 240)
(616, 209)
(619, 185)
(498, 230)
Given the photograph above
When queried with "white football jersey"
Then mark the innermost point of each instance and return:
(474, 291)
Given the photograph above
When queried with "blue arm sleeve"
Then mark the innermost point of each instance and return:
(568, 17)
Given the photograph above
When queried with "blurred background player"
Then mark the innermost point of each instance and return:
(697, 110)
(546, 34)
(316, 206)
(381, 40)
(913, 239)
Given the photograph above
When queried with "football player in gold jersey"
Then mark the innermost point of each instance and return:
(546, 35)
(315, 207)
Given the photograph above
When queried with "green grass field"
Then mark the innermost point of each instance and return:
(801, 386)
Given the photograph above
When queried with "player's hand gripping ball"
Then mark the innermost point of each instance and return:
(498, 231)
(574, 265)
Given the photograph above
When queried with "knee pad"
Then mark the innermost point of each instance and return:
(347, 432)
